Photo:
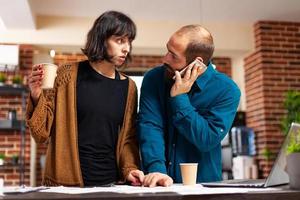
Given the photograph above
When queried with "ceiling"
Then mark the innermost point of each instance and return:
(22, 14)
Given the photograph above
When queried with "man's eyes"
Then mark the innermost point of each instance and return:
(174, 56)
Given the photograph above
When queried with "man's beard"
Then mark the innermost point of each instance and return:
(169, 74)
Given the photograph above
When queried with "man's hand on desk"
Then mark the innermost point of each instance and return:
(157, 179)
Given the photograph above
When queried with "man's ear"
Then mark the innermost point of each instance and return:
(199, 58)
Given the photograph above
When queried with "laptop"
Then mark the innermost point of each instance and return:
(277, 176)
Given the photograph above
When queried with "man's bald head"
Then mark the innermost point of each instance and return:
(200, 42)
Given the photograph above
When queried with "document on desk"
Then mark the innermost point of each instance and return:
(21, 190)
(176, 188)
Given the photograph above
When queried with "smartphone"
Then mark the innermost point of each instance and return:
(182, 72)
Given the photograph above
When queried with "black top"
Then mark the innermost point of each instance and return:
(101, 105)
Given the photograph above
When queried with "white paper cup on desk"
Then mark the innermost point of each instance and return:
(189, 173)
(49, 75)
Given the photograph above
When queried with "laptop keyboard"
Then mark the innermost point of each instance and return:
(240, 181)
(251, 183)
(246, 183)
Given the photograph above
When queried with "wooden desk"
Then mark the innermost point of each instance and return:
(284, 194)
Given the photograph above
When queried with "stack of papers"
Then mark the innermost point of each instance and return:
(176, 188)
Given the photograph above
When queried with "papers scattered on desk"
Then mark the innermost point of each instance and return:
(78, 190)
(20, 190)
(176, 188)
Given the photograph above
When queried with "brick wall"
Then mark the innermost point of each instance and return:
(271, 70)
(63, 58)
(145, 61)
(223, 64)
(10, 140)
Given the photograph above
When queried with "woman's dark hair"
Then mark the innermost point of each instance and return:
(108, 24)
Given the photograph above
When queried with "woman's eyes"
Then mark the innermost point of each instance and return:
(121, 40)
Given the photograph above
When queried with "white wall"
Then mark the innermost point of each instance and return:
(238, 76)
(151, 35)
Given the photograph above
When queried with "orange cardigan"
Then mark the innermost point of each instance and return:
(54, 119)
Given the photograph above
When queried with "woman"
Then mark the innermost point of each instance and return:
(89, 116)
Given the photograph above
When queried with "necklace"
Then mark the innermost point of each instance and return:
(111, 75)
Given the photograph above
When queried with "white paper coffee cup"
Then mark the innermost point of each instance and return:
(189, 173)
(49, 75)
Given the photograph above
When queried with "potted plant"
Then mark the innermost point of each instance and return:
(293, 160)
(2, 78)
(267, 154)
(14, 159)
(292, 106)
(17, 80)
(2, 157)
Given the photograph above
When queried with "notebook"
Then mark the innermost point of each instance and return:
(277, 176)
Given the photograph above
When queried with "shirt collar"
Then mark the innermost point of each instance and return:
(206, 76)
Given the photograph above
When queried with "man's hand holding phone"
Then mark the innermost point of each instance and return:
(186, 77)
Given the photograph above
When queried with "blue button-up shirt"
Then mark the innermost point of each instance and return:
(188, 127)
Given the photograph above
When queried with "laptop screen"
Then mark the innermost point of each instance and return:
(278, 174)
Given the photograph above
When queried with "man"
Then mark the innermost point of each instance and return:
(184, 120)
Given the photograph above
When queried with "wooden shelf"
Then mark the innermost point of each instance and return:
(10, 125)
(16, 125)
(9, 166)
(12, 90)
